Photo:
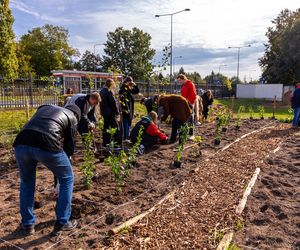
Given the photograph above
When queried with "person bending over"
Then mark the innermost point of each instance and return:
(87, 105)
(49, 138)
(178, 108)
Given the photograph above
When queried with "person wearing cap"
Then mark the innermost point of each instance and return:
(48, 137)
(178, 108)
(87, 104)
(126, 92)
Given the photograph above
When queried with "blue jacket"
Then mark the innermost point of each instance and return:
(296, 98)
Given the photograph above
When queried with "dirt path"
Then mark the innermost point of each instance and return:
(272, 215)
(203, 209)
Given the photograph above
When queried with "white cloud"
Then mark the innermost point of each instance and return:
(211, 25)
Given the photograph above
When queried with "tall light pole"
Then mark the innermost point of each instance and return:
(238, 64)
(171, 47)
(95, 45)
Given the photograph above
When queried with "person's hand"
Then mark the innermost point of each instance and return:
(118, 118)
(92, 127)
(164, 142)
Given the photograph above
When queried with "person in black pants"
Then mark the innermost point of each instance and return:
(110, 112)
(127, 90)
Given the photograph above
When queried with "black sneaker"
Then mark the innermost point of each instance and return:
(28, 229)
(64, 227)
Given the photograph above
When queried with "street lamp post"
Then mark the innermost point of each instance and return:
(95, 45)
(238, 64)
(171, 46)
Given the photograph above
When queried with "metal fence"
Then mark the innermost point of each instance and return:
(19, 97)
(13, 97)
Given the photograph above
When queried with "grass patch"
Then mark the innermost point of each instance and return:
(11, 122)
(282, 111)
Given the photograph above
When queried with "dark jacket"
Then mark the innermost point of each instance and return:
(176, 106)
(205, 101)
(87, 116)
(57, 124)
(127, 100)
(150, 105)
(108, 104)
(296, 98)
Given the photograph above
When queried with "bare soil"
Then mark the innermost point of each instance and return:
(102, 207)
(272, 214)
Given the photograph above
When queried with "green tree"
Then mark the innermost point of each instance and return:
(8, 58)
(48, 49)
(281, 61)
(25, 68)
(195, 77)
(90, 62)
(130, 52)
(181, 71)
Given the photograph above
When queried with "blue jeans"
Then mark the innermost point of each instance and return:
(126, 127)
(59, 164)
(296, 116)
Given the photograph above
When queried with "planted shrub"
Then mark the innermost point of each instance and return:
(251, 112)
(261, 111)
(133, 151)
(238, 120)
(88, 166)
(184, 133)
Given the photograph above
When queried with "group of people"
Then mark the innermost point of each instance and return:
(49, 136)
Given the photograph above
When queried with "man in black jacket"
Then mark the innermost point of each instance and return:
(87, 105)
(110, 112)
(49, 138)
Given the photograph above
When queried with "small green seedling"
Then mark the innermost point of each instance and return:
(88, 166)
(238, 120)
(183, 136)
(133, 151)
(261, 111)
(251, 112)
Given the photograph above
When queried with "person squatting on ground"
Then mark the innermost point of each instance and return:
(178, 108)
(110, 112)
(295, 101)
(188, 91)
(151, 134)
(87, 105)
(207, 100)
(150, 103)
(49, 138)
(127, 89)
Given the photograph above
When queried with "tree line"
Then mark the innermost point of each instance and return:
(47, 48)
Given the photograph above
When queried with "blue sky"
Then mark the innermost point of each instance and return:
(201, 36)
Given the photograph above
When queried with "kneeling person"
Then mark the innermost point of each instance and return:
(151, 134)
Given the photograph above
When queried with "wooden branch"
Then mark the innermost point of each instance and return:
(242, 204)
(135, 219)
(223, 245)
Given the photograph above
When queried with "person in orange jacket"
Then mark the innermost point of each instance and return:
(151, 133)
(189, 92)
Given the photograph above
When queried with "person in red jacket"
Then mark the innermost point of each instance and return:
(151, 133)
(189, 92)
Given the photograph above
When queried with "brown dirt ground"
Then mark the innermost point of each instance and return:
(147, 184)
(272, 217)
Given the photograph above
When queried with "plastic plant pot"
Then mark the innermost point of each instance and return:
(217, 141)
(177, 164)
